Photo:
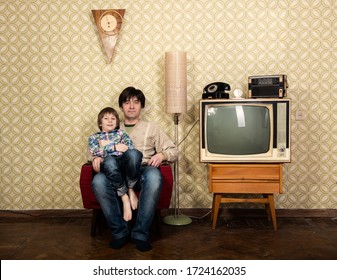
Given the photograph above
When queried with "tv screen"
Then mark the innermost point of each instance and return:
(237, 129)
(245, 130)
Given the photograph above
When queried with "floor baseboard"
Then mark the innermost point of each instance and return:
(46, 213)
(240, 212)
(192, 212)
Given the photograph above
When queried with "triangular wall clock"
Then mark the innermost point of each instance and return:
(109, 23)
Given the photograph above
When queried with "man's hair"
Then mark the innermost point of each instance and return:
(105, 111)
(130, 92)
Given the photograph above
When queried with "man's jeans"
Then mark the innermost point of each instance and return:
(123, 171)
(149, 185)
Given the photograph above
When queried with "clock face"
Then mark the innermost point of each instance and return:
(110, 23)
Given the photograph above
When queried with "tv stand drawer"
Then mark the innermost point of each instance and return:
(248, 187)
(245, 178)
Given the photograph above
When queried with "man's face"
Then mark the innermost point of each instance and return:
(131, 109)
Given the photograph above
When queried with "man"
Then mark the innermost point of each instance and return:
(156, 147)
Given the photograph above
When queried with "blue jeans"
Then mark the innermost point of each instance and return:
(149, 185)
(123, 171)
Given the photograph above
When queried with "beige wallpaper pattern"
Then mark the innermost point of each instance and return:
(54, 78)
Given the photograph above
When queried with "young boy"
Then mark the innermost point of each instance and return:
(119, 161)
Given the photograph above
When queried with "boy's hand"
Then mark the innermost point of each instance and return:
(121, 147)
(103, 143)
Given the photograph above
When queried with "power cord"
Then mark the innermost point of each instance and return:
(188, 132)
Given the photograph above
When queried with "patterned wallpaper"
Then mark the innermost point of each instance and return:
(55, 78)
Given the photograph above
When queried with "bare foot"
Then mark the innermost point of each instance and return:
(127, 212)
(133, 199)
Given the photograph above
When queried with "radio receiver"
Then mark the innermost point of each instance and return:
(269, 86)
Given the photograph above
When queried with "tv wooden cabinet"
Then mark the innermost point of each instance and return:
(264, 179)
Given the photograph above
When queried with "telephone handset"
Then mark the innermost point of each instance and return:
(216, 90)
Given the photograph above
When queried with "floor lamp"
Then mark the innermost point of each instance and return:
(176, 103)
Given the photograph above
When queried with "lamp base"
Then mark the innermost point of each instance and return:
(177, 220)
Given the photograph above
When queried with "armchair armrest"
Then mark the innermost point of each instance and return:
(89, 199)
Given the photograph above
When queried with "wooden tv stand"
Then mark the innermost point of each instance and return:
(250, 178)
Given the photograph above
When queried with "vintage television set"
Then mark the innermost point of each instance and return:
(245, 130)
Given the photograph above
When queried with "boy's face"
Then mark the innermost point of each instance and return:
(109, 122)
(132, 109)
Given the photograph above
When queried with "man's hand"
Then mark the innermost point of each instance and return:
(96, 164)
(156, 160)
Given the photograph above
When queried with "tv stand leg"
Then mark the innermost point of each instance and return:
(272, 210)
(215, 210)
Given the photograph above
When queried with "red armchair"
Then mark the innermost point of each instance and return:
(90, 202)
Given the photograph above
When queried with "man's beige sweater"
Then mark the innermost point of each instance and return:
(150, 139)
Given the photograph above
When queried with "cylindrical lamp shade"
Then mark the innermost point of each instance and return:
(176, 82)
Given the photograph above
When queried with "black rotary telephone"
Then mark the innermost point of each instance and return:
(216, 91)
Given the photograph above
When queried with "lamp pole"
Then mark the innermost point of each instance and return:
(177, 219)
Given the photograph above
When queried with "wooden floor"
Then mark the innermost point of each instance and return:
(64, 237)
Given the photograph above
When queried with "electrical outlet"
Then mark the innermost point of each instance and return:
(299, 115)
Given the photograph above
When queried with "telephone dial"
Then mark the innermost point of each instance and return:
(216, 91)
